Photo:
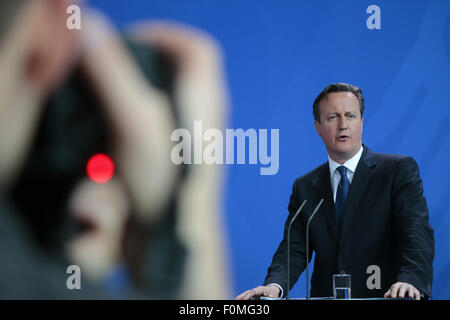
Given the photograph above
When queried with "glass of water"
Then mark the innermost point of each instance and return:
(342, 284)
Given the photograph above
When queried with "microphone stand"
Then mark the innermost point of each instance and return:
(288, 246)
(307, 248)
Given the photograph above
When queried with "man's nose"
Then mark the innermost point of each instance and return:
(342, 123)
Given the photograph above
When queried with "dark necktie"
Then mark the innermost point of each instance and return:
(342, 193)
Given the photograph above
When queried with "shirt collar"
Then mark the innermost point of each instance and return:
(350, 164)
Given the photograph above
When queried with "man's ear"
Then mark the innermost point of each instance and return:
(317, 126)
(53, 47)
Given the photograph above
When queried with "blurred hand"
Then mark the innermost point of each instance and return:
(200, 89)
(200, 95)
(37, 52)
(103, 209)
(270, 291)
(399, 289)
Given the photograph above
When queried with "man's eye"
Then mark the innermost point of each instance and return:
(351, 116)
(331, 117)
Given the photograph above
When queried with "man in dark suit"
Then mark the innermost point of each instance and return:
(374, 215)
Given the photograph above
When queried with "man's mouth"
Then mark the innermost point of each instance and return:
(343, 137)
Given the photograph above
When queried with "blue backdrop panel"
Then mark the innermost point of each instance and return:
(279, 55)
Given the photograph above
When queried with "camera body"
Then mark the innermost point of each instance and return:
(71, 130)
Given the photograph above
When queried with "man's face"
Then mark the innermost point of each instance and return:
(340, 125)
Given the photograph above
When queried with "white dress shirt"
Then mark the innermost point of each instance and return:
(350, 164)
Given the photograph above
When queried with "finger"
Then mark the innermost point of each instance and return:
(416, 295)
(100, 206)
(402, 290)
(239, 297)
(174, 38)
(413, 293)
(193, 51)
(246, 295)
(258, 291)
(388, 294)
(250, 294)
(242, 295)
(394, 290)
(113, 71)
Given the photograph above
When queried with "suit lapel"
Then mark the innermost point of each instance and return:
(325, 192)
(361, 179)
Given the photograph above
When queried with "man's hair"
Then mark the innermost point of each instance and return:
(338, 87)
(8, 12)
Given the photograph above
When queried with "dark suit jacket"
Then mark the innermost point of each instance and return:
(385, 224)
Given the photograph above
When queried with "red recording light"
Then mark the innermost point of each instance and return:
(100, 168)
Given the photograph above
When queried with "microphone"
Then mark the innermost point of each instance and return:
(289, 244)
(307, 248)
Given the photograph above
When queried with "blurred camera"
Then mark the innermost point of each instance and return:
(72, 129)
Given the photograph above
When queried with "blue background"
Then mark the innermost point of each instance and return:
(279, 55)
